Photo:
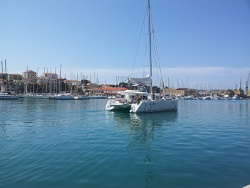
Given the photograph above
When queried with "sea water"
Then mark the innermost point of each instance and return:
(47, 143)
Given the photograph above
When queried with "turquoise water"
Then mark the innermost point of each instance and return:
(46, 143)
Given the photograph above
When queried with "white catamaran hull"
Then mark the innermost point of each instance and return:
(118, 105)
(154, 106)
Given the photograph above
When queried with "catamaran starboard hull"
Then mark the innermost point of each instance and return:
(154, 106)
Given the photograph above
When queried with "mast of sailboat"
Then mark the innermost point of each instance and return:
(60, 79)
(26, 81)
(37, 80)
(150, 53)
(6, 76)
(2, 87)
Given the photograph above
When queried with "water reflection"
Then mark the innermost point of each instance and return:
(131, 122)
(153, 119)
(143, 130)
(2, 129)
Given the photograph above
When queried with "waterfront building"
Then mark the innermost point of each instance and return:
(3, 75)
(217, 92)
(72, 82)
(2, 88)
(48, 81)
(248, 93)
(29, 75)
(16, 78)
(180, 92)
(239, 92)
(11, 87)
(50, 76)
(104, 89)
(74, 85)
(42, 80)
(108, 90)
(230, 93)
(10, 82)
(47, 78)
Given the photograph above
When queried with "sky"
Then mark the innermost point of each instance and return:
(200, 44)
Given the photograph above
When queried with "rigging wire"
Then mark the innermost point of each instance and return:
(143, 23)
(157, 59)
(158, 65)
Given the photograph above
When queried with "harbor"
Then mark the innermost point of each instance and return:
(124, 94)
(30, 85)
(48, 143)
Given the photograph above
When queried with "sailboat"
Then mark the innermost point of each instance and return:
(4, 95)
(139, 99)
(154, 102)
(7, 96)
(61, 96)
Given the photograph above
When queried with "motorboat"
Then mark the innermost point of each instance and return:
(81, 97)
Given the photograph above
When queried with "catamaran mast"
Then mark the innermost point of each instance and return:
(150, 53)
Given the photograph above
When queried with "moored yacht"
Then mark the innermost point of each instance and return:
(237, 97)
(98, 97)
(7, 96)
(62, 97)
(81, 97)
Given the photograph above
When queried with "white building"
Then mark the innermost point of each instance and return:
(29, 75)
(51, 76)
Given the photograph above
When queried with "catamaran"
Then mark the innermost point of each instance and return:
(154, 102)
(136, 92)
(140, 101)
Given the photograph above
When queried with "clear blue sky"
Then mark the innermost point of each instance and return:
(201, 43)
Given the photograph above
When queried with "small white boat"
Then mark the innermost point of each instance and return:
(62, 97)
(40, 96)
(81, 97)
(207, 98)
(227, 97)
(237, 97)
(7, 96)
(218, 98)
(189, 97)
(98, 97)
